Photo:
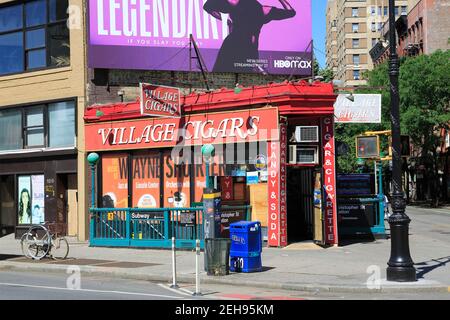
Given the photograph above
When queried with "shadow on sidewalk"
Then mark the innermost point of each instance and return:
(440, 262)
(9, 256)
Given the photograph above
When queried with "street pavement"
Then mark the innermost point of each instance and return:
(352, 270)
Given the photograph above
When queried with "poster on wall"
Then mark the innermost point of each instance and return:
(38, 199)
(115, 181)
(273, 36)
(24, 205)
(146, 180)
(176, 183)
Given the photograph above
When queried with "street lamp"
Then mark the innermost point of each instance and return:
(92, 158)
(208, 152)
(400, 265)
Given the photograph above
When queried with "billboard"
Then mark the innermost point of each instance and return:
(365, 108)
(252, 36)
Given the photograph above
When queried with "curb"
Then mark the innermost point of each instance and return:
(119, 273)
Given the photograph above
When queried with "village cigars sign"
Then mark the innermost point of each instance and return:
(160, 101)
(218, 128)
(155, 35)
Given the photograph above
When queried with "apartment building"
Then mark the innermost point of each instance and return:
(357, 26)
(425, 29)
(42, 101)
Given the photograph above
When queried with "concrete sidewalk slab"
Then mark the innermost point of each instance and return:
(356, 267)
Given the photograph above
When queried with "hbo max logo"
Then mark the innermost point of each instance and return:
(292, 64)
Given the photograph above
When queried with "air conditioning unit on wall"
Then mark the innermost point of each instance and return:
(303, 155)
(307, 134)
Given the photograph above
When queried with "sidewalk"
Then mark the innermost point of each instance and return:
(301, 266)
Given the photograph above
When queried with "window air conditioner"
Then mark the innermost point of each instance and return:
(303, 155)
(307, 134)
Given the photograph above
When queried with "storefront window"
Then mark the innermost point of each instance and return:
(115, 181)
(31, 199)
(10, 130)
(62, 124)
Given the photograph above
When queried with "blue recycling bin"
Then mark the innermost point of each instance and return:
(246, 246)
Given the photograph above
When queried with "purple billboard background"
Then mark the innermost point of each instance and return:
(154, 35)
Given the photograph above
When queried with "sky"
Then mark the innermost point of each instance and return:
(319, 29)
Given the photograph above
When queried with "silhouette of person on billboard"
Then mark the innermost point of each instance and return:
(246, 19)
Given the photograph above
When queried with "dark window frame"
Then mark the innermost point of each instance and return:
(24, 29)
(23, 108)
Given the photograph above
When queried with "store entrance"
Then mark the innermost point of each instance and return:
(7, 205)
(300, 204)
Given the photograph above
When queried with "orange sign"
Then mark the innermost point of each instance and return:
(216, 128)
(115, 181)
(176, 183)
(146, 170)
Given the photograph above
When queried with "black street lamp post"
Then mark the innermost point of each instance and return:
(400, 265)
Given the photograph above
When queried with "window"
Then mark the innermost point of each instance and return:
(355, 43)
(374, 42)
(396, 10)
(356, 59)
(34, 35)
(10, 129)
(61, 124)
(354, 12)
(34, 127)
(379, 11)
(373, 27)
(355, 27)
(355, 74)
(380, 25)
(385, 11)
(372, 11)
(47, 125)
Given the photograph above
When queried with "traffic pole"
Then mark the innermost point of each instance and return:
(174, 265)
(197, 271)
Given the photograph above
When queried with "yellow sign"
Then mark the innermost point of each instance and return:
(110, 216)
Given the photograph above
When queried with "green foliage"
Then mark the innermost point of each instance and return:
(327, 74)
(424, 103)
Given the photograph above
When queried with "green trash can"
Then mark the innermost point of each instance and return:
(217, 256)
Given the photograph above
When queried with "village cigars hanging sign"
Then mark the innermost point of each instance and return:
(329, 184)
(160, 101)
(217, 128)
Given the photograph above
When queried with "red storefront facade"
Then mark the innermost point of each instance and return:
(282, 132)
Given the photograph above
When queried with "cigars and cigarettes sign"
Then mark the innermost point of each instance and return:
(160, 101)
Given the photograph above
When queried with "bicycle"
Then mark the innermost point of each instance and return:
(40, 241)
